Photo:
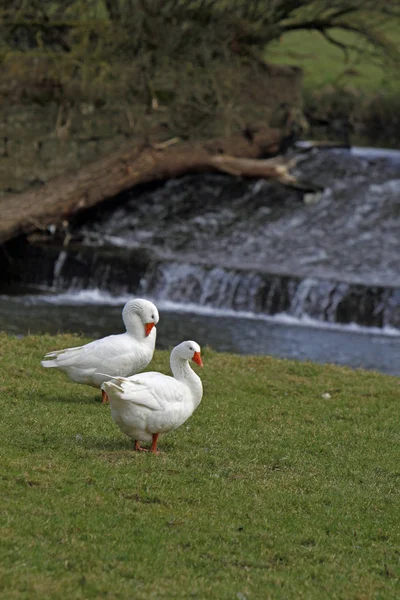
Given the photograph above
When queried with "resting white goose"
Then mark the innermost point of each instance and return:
(147, 405)
(123, 354)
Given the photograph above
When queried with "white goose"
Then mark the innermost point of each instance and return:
(123, 354)
(147, 405)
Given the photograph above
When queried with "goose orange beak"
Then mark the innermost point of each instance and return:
(148, 327)
(197, 359)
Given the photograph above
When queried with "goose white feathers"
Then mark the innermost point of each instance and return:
(122, 355)
(149, 404)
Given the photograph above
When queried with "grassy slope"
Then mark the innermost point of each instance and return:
(269, 491)
(324, 64)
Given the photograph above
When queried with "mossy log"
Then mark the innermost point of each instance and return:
(62, 197)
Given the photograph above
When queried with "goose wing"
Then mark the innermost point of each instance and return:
(90, 355)
(154, 391)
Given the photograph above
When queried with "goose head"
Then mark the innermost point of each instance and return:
(189, 350)
(140, 315)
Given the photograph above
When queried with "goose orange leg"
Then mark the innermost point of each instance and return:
(104, 397)
(153, 448)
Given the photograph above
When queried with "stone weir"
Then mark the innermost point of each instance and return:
(242, 245)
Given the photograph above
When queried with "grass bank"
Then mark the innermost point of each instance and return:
(326, 64)
(359, 91)
(284, 484)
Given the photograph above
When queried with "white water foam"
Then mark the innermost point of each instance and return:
(363, 151)
(96, 296)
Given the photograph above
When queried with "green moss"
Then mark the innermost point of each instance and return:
(269, 490)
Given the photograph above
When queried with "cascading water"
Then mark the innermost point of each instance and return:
(237, 246)
(322, 300)
(58, 266)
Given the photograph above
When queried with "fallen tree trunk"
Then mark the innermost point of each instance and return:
(270, 168)
(61, 198)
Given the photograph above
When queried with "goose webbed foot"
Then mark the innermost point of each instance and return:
(138, 447)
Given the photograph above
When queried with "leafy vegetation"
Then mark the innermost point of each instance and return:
(180, 55)
(283, 484)
(171, 27)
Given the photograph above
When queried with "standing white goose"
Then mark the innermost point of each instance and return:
(147, 405)
(123, 354)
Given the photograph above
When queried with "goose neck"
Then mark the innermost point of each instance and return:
(134, 327)
(181, 369)
(183, 372)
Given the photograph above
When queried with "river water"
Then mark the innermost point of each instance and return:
(242, 265)
(96, 314)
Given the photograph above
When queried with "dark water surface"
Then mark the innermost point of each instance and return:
(226, 332)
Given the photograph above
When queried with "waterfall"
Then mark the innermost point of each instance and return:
(323, 300)
(58, 266)
(318, 299)
(124, 272)
(252, 246)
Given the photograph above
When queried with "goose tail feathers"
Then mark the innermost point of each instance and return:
(107, 385)
(49, 363)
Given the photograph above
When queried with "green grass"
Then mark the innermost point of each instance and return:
(324, 64)
(270, 490)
